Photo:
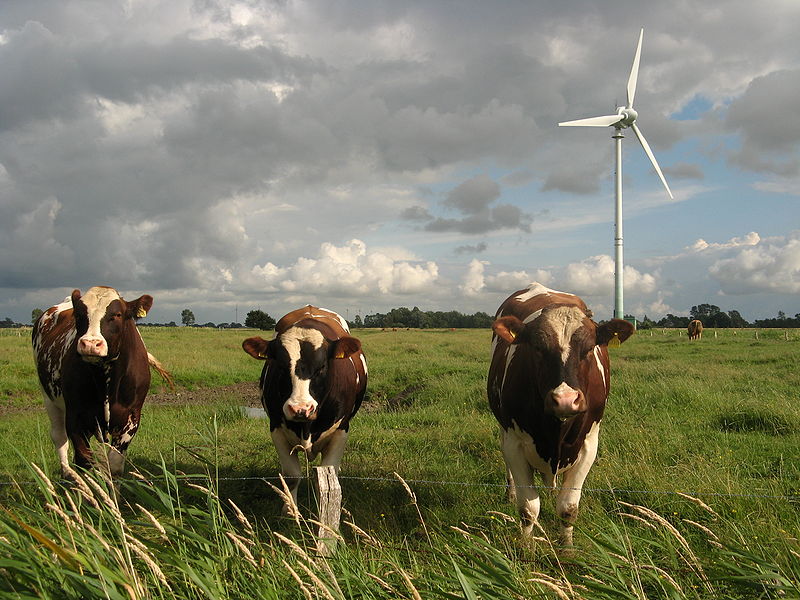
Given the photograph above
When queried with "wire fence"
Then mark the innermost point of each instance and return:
(467, 484)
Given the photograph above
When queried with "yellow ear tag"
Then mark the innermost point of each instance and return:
(339, 355)
(262, 355)
(614, 342)
(141, 313)
(512, 334)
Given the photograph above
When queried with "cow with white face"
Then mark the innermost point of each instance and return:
(95, 373)
(312, 384)
(548, 383)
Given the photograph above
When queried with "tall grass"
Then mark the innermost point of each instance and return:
(164, 535)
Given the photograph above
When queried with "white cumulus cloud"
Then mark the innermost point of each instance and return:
(771, 265)
(594, 276)
(348, 269)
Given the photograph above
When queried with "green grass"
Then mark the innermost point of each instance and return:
(716, 419)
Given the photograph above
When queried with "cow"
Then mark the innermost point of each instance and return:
(695, 330)
(94, 372)
(547, 386)
(312, 384)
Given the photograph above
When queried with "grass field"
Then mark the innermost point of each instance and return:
(717, 420)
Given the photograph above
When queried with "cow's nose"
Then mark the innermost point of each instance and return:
(92, 346)
(567, 401)
(300, 411)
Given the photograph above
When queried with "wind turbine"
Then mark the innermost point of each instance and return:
(625, 117)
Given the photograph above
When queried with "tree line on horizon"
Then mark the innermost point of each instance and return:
(709, 314)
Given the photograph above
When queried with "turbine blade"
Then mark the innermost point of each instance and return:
(634, 76)
(651, 156)
(593, 121)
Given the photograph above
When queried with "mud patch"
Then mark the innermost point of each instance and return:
(244, 394)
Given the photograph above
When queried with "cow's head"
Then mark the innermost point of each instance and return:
(100, 318)
(561, 339)
(309, 361)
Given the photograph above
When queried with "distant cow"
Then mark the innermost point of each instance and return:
(695, 330)
(548, 384)
(312, 384)
(94, 371)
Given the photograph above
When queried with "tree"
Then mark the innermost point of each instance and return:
(258, 319)
(646, 323)
(187, 317)
(704, 312)
(35, 314)
(736, 319)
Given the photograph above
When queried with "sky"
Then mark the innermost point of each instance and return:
(226, 156)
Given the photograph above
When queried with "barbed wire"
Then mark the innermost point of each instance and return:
(434, 482)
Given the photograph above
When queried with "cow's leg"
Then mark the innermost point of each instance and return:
(79, 436)
(121, 438)
(82, 450)
(334, 450)
(570, 495)
(511, 491)
(521, 477)
(58, 432)
(290, 463)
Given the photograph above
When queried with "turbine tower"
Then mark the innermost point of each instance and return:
(625, 117)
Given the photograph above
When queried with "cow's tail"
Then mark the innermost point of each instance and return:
(165, 375)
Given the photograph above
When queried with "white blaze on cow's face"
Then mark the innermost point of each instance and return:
(559, 327)
(307, 359)
(92, 345)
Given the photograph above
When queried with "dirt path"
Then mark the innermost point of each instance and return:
(245, 393)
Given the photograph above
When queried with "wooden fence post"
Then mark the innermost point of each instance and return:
(329, 508)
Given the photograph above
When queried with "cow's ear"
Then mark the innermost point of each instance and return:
(615, 328)
(345, 347)
(509, 329)
(256, 347)
(139, 308)
(80, 312)
(76, 300)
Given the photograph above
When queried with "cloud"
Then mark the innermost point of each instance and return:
(787, 185)
(751, 239)
(476, 199)
(771, 265)
(474, 195)
(594, 276)
(767, 116)
(477, 249)
(476, 282)
(29, 251)
(349, 270)
(473, 281)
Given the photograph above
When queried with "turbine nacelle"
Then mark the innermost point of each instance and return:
(627, 117)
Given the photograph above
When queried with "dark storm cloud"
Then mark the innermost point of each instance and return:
(473, 196)
(476, 200)
(768, 144)
(471, 250)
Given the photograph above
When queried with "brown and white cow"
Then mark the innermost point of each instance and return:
(548, 384)
(95, 373)
(312, 384)
(695, 330)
